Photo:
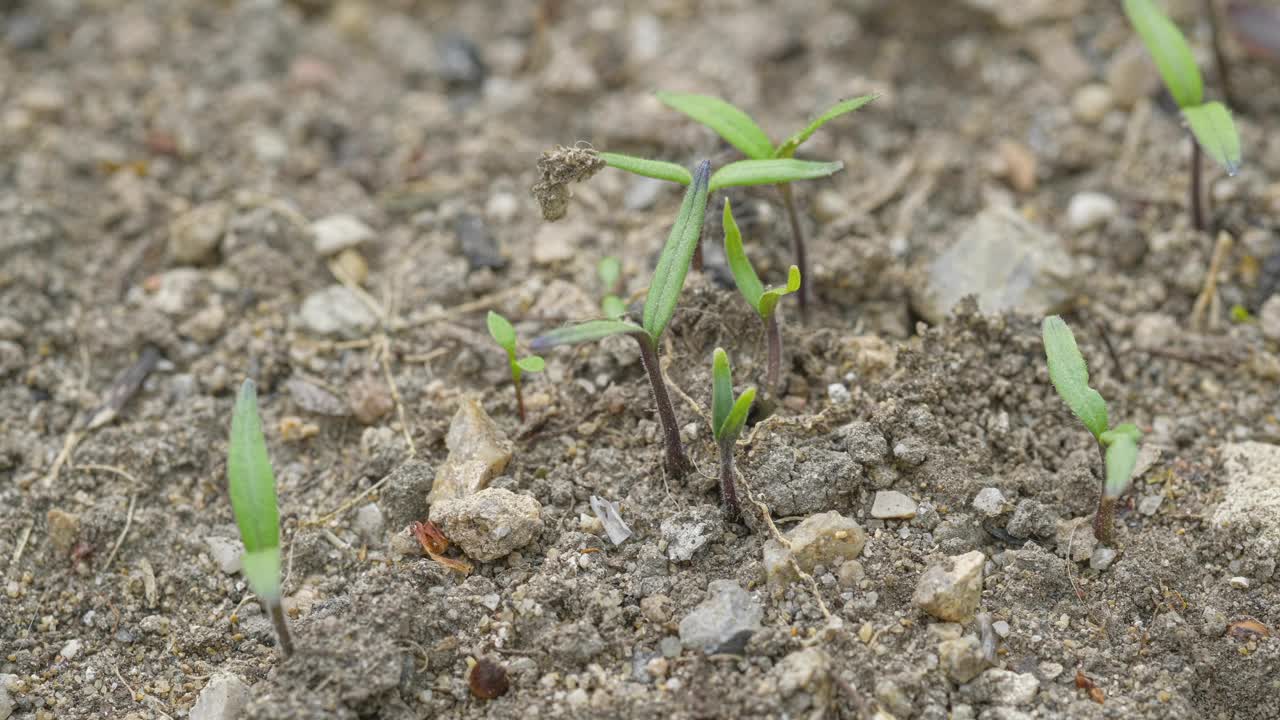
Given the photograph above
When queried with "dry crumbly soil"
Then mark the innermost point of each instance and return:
(161, 162)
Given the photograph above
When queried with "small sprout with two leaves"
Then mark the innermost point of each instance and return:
(764, 301)
(659, 308)
(1117, 445)
(502, 332)
(766, 164)
(1212, 128)
(252, 486)
(610, 271)
(728, 417)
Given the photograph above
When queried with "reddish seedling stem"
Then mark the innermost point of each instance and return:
(1104, 519)
(1197, 209)
(677, 462)
(519, 402)
(728, 484)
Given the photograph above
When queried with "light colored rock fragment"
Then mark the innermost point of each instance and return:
(335, 233)
(962, 658)
(892, 505)
(337, 311)
(1002, 687)
(194, 235)
(952, 590)
(1088, 210)
(804, 680)
(490, 523)
(724, 622)
(224, 697)
(227, 554)
(828, 539)
(478, 452)
(1249, 514)
(989, 501)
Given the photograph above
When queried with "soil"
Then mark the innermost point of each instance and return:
(161, 162)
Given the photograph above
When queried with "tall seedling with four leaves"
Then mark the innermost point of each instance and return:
(764, 302)
(659, 307)
(253, 500)
(728, 416)
(504, 334)
(1211, 126)
(767, 164)
(1117, 445)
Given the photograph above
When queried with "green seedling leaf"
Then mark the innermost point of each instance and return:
(788, 147)
(502, 332)
(1122, 457)
(648, 168)
(1213, 128)
(610, 271)
(730, 123)
(1070, 375)
(744, 276)
(1169, 48)
(769, 300)
(589, 331)
(252, 488)
(613, 307)
(732, 426)
(533, 364)
(771, 172)
(721, 390)
(673, 264)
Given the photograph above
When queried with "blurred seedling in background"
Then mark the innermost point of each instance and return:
(610, 271)
(767, 164)
(505, 335)
(253, 500)
(659, 307)
(764, 302)
(1212, 129)
(728, 416)
(1117, 445)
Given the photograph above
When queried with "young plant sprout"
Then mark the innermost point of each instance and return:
(659, 307)
(1117, 445)
(767, 164)
(727, 419)
(764, 301)
(505, 335)
(610, 271)
(1212, 129)
(253, 501)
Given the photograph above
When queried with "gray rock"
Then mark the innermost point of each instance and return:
(1031, 519)
(179, 291)
(336, 311)
(1004, 260)
(794, 481)
(804, 680)
(369, 523)
(1269, 318)
(1076, 535)
(404, 495)
(1002, 687)
(1089, 210)
(6, 703)
(334, 233)
(315, 399)
(724, 622)
(70, 649)
(1249, 514)
(224, 697)
(477, 244)
(952, 590)
(490, 524)
(459, 61)
(1102, 558)
(865, 443)
(989, 501)
(828, 539)
(688, 531)
(1150, 504)
(962, 658)
(912, 451)
(194, 235)
(226, 553)
(892, 505)
(478, 452)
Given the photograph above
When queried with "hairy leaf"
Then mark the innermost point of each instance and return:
(1215, 131)
(744, 276)
(769, 300)
(721, 390)
(252, 487)
(771, 172)
(1070, 375)
(788, 147)
(673, 264)
(501, 331)
(1122, 457)
(730, 123)
(532, 363)
(589, 331)
(648, 168)
(1169, 48)
(737, 417)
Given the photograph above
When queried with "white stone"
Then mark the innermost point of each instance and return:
(1091, 103)
(1240, 583)
(838, 393)
(989, 501)
(337, 311)
(369, 523)
(1269, 318)
(224, 697)
(226, 553)
(70, 650)
(502, 207)
(335, 233)
(828, 539)
(489, 524)
(892, 505)
(1089, 210)
(1150, 504)
(1102, 558)
(952, 590)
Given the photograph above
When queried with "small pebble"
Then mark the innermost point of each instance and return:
(1091, 103)
(1239, 583)
(838, 393)
(1150, 504)
(70, 650)
(989, 501)
(1102, 558)
(335, 233)
(892, 505)
(1089, 210)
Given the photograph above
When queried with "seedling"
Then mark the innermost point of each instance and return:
(1212, 129)
(253, 501)
(505, 335)
(728, 416)
(1117, 445)
(767, 164)
(610, 271)
(765, 302)
(659, 307)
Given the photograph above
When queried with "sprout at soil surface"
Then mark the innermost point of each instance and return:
(502, 332)
(728, 416)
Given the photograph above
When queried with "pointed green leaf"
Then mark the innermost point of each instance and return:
(1169, 48)
(613, 307)
(648, 168)
(610, 271)
(771, 172)
(1215, 131)
(737, 416)
(721, 390)
(744, 276)
(1122, 457)
(730, 123)
(788, 147)
(501, 331)
(769, 300)
(532, 364)
(252, 487)
(589, 331)
(673, 264)
(1070, 375)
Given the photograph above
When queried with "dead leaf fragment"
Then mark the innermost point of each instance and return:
(1248, 629)
(1084, 683)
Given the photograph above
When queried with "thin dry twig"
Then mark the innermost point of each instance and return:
(345, 506)
(23, 537)
(1209, 293)
(68, 445)
(128, 522)
(1133, 134)
(383, 352)
(767, 516)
